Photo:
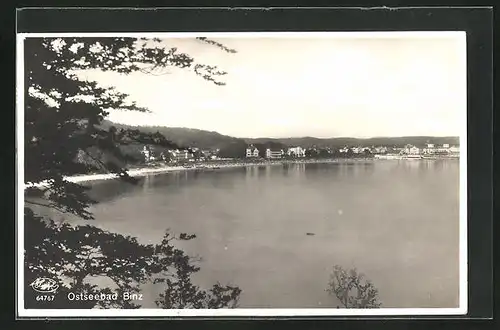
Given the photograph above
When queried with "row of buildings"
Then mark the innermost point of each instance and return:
(253, 152)
(176, 155)
(299, 152)
(430, 149)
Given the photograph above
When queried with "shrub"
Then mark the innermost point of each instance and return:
(351, 289)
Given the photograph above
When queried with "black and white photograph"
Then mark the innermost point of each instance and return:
(242, 173)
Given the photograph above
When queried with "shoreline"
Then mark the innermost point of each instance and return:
(144, 171)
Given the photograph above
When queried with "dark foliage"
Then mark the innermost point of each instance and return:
(183, 137)
(63, 111)
(352, 291)
(76, 255)
(234, 150)
(64, 137)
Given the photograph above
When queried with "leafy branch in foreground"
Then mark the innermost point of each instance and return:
(77, 256)
(350, 288)
(217, 44)
(64, 110)
(63, 116)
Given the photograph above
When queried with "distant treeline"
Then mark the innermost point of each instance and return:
(236, 147)
(186, 137)
(398, 142)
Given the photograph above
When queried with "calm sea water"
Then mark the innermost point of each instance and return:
(395, 221)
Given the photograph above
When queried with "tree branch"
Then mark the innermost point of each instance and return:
(50, 206)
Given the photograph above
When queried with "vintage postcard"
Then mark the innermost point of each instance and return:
(242, 174)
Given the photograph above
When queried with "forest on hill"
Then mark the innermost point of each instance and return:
(189, 137)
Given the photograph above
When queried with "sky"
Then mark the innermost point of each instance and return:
(323, 86)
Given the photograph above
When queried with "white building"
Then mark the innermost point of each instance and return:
(357, 150)
(252, 152)
(411, 150)
(414, 150)
(296, 152)
(148, 154)
(273, 154)
(182, 155)
(429, 149)
(380, 150)
(443, 150)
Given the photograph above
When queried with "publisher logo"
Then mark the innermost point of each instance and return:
(44, 285)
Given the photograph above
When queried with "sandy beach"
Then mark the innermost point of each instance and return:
(139, 172)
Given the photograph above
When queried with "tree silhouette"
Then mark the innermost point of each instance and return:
(62, 132)
(76, 255)
(350, 289)
(311, 153)
(323, 153)
(234, 150)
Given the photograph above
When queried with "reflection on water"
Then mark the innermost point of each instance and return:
(396, 221)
